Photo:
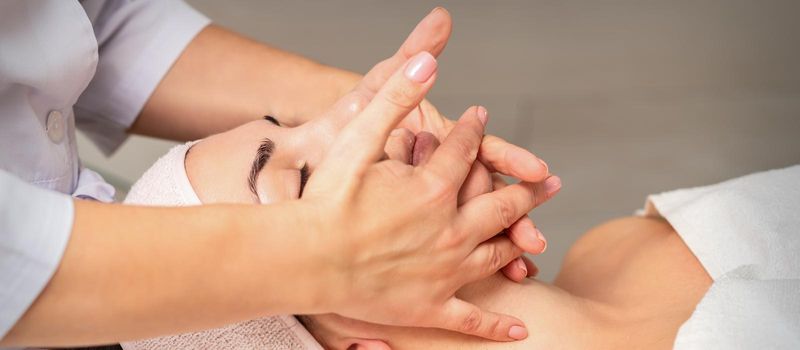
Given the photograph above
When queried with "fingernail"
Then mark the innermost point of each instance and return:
(540, 236)
(552, 185)
(530, 237)
(421, 67)
(517, 332)
(530, 167)
(395, 132)
(544, 164)
(483, 115)
(521, 265)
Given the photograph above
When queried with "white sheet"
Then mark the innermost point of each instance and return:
(746, 233)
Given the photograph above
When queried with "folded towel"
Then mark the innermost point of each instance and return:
(746, 234)
(166, 184)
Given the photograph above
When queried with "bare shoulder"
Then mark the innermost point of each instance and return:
(628, 251)
(640, 265)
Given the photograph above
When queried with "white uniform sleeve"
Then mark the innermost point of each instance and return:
(138, 42)
(35, 225)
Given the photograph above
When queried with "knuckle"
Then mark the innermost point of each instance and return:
(465, 150)
(495, 259)
(539, 196)
(395, 169)
(401, 96)
(452, 240)
(472, 322)
(355, 102)
(498, 331)
(504, 212)
(440, 188)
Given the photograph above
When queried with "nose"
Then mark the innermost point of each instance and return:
(325, 128)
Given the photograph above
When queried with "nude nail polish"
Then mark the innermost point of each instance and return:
(540, 236)
(421, 67)
(552, 185)
(517, 333)
(483, 115)
(521, 265)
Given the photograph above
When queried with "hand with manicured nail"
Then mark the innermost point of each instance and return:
(395, 235)
(387, 93)
(522, 232)
(495, 154)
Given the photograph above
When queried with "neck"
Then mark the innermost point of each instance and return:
(586, 322)
(627, 284)
(555, 317)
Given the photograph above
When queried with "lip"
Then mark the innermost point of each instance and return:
(424, 145)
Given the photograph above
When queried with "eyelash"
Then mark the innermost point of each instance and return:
(303, 179)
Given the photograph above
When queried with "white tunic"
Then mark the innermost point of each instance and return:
(67, 64)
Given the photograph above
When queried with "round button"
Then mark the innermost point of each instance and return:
(55, 126)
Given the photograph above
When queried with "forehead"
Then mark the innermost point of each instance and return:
(217, 166)
(239, 142)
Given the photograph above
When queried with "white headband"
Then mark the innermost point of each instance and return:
(166, 184)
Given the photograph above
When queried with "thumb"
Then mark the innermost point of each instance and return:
(361, 142)
(463, 317)
(431, 35)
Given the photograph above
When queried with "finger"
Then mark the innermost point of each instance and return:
(424, 145)
(361, 142)
(489, 257)
(533, 270)
(461, 316)
(516, 270)
(497, 181)
(526, 236)
(489, 213)
(523, 232)
(400, 145)
(503, 157)
(478, 182)
(431, 35)
(454, 157)
(341, 113)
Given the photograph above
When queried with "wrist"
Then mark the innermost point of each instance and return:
(291, 246)
(325, 257)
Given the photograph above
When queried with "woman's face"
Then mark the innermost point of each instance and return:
(258, 162)
(262, 162)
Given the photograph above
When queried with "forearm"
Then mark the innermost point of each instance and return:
(223, 80)
(134, 272)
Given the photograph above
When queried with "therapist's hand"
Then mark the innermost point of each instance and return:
(477, 183)
(397, 244)
(432, 34)
(495, 155)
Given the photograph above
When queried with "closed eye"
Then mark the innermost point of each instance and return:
(304, 174)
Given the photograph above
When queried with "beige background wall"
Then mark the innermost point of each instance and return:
(622, 98)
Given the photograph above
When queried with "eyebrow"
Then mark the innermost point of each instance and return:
(263, 154)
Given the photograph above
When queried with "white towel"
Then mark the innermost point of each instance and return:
(166, 184)
(746, 234)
